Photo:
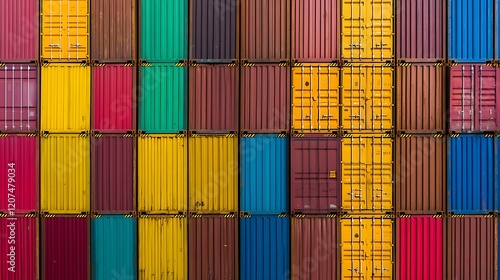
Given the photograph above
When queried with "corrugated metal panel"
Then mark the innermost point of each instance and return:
(113, 174)
(265, 247)
(470, 174)
(213, 98)
(65, 98)
(316, 98)
(19, 173)
(315, 30)
(65, 30)
(420, 248)
(163, 248)
(367, 30)
(265, 98)
(113, 97)
(213, 248)
(265, 30)
(420, 30)
(263, 169)
(163, 99)
(420, 174)
(113, 29)
(164, 30)
(213, 174)
(65, 174)
(114, 248)
(162, 175)
(471, 248)
(18, 98)
(367, 97)
(470, 30)
(367, 170)
(314, 248)
(314, 170)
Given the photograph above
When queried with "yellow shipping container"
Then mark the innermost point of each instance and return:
(213, 174)
(367, 98)
(65, 173)
(163, 248)
(162, 186)
(367, 30)
(366, 247)
(65, 30)
(316, 98)
(65, 98)
(367, 173)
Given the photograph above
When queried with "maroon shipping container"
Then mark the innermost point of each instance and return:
(265, 98)
(213, 98)
(19, 30)
(315, 173)
(471, 248)
(420, 30)
(314, 248)
(474, 98)
(421, 106)
(65, 247)
(213, 247)
(113, 173)
(315, 30)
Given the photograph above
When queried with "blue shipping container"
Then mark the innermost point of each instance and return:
(470, 30)
(264, 174)
(470, 174)
(264, 247)
(114, 247)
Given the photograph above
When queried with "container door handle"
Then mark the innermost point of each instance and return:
(356, 45)
(326, 116)
(54, 45)
(355, 269)
(380, 45)
(357, 117)
(76, 45)
(380, 115)
(383, 268)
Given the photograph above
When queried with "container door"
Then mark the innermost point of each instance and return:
(486, 98)
(462, 98)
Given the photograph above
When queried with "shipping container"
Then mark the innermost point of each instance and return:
(19, 173)
(163, 248)
(113, 28)
(265, 31)
(420, 102)
(366, 247)
(474, 98)
(470, 174)
(162, 174)
(367, 170)
(164, 30)
(65, 30)
(264, 247)
(19, 98)
(163, 98)
(470, 30)
(213, 247)
(65, 247)
(419, 245)
(471, 248)
(315, 30)
(19, 248)
(420, 30)
(113, 98)
(315, 173)
(213, 98)
(114, 247)
(264, 173)
(420, 173)
(367, 97)
(265, 98)
(19, 30)
(367, 30)
(314, 248)
(315, 98)
(65, 98)
(113, 173)
(65, 173)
